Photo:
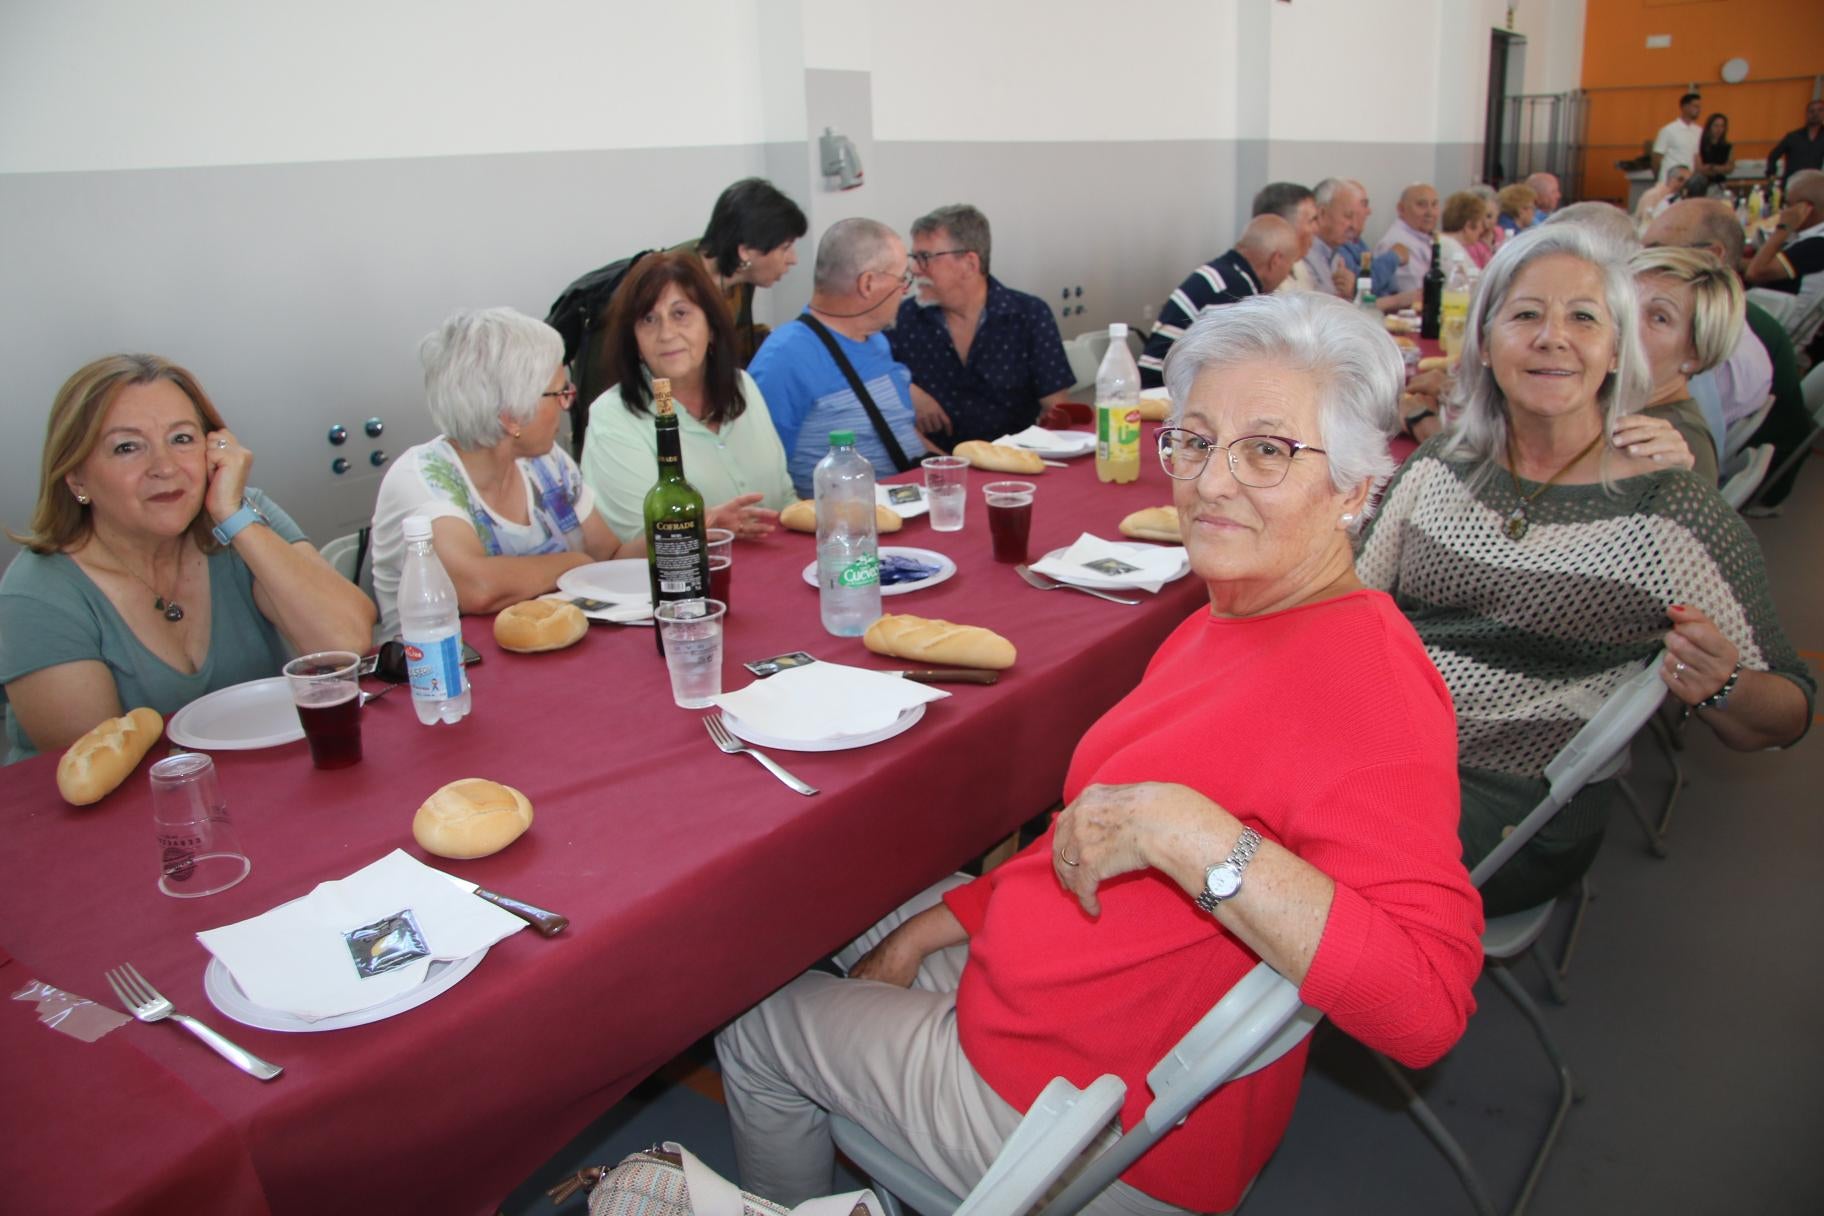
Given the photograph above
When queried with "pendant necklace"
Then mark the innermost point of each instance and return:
(172, 610)
(1517, 522)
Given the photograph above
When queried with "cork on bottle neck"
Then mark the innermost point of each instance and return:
(661, 397)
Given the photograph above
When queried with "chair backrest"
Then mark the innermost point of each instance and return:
(1256, 1022)
(1812, 389)
(1594, 753)
(351, 555)
(1742, 429)
(1741, 484)
(1056, 1129)
(1805, 321)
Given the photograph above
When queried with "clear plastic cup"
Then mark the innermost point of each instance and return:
(326, 688)
(1009, 518)
(198, 851)
(692, 631)
(947, 491)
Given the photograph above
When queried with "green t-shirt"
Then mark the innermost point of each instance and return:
(52, 613)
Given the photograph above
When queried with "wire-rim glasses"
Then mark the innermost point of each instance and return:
(1259, 461)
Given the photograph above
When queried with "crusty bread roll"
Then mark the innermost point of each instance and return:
(1155, 409)
(1154, 523)
(999, 457)
(102, 759)
(939, 642)
(1434, 361)
(537, 625)
(801, 516)
(471, 818)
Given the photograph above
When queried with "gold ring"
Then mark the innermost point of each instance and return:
(1067, 861)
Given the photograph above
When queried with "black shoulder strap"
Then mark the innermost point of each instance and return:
(900, 463)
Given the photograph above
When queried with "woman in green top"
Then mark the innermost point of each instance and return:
(154, 573)
(669, 321)
(1691, 309)
(1541, 564)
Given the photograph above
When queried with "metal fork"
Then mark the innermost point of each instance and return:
(144, 1002)
(1046, 584)
(725, 739)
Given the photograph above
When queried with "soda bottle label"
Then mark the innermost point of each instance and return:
(1127, 435)
(864, 571)
(435, 668)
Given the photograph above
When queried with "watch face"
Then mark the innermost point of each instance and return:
(1222, 882)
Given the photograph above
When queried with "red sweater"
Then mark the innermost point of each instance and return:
(1327, 730)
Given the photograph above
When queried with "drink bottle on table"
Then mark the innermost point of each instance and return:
(1431, 307)
(430, 625)
(1455, 315)
(848, 556)
(1364, 286)
(677, 552)
(1117, 411)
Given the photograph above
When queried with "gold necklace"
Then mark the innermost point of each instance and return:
(1517, 522)
(172, 610)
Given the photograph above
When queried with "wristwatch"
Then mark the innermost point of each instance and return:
(229, 528)
(1720, 697)
(1222, 880)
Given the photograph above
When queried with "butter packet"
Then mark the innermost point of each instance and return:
(389, 942)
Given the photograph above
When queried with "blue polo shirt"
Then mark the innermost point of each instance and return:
(1016, 359)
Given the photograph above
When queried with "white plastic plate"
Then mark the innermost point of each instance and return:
(945, 568)
(839, 743)
(243, 717)
(226, 995)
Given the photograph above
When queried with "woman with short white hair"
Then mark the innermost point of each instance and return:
(509, 510)
(1543, 555)
(1201, 834)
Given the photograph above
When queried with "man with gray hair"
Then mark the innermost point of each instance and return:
(832, 370)
(1414, 229)
(1261, 260)
(986, 360)
(1791, 259)
(1296, 205)
(1548, 195)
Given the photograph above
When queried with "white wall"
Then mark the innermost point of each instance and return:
(130, 84)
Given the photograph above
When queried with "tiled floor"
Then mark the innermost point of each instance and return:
(1696, 998)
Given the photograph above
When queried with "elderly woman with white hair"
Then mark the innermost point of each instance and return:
(1201, 835)
(1541, 564)
(509, 510)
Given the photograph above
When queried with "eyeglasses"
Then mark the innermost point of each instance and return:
(921, 258)
(1260, 461)
(565, 395)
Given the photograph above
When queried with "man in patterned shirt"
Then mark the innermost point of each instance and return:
(1261, 260)
(986, 360)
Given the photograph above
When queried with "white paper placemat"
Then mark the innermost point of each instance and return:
(825, 701)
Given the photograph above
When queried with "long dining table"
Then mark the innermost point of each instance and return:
(695, 884)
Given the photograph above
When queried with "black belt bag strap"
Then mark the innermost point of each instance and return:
(900, 463)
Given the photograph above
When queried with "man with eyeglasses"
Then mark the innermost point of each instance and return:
(832, 369)
(986, 360)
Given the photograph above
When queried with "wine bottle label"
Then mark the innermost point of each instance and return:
(864, 571)
(677, 558)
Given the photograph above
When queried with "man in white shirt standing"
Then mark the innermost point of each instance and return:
(1676, 143)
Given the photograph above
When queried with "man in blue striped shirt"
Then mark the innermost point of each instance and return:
(1260, 262)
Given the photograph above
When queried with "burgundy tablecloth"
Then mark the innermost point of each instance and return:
(694, 881)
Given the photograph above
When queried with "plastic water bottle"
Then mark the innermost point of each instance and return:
(1117, 411)
(848, 561)
(1364, 286)
(430, 623)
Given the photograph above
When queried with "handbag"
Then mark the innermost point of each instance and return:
(668, 1180)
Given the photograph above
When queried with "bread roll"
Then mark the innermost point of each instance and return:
(1154, 523)
(999, 457)
(939, 643)
(471, 818)
(1430, 362)
(537, 625)
(801, 516)
(1155, 409)
(102, 759)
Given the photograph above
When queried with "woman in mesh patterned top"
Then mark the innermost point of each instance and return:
(1541, 564)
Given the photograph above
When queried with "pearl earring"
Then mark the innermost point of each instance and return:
(1348, 518)
(83, 499)
(745, 265)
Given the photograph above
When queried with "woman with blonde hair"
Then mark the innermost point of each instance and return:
(1691, 314)
(1518, 205)
(153, 573)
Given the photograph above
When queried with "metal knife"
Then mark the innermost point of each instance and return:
(949, 675)
(549, 924)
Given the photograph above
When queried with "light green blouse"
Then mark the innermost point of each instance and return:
(621, 458)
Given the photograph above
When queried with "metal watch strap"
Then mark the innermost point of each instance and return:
(1237, 861)
(1720, 697)
(229, 528)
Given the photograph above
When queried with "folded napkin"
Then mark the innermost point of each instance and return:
(1154, 565)
(825, 701)
(294, 958)
(1060, 443)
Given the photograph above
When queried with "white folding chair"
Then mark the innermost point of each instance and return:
(1740, 485)
(1742, 430)
(1812, 388)
(1596, 753)
(353, 562)
(1255, 1023)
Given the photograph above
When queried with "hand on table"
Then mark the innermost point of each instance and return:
(1699, 659)
(1112, 830)
(743, 516)
(1646, 437)
(228, 466)
(1430, 383)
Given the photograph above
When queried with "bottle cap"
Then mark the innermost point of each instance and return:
(1117, 329)
(417, 527)
(842, 439)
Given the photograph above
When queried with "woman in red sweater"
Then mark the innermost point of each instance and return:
(1281, 786)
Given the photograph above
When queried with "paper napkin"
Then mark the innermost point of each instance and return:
(825, 701)
(1056, 443)
(1087, 563)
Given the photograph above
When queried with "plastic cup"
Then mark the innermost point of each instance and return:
(1009, 518)
(719, 547)
(326, 688)
(692, 632)
(947, 491)
(198, 851)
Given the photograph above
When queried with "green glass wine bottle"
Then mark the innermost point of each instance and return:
(677, 556)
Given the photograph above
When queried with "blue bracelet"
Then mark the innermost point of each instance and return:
(229, 528)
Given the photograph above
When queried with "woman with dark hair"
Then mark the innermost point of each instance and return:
(668, 321)
(153, 572)
(1715, 156)
(748, 244)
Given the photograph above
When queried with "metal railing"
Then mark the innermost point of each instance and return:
(1544, 133)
